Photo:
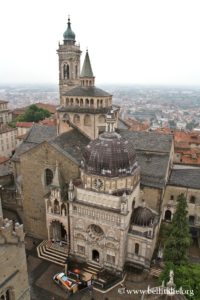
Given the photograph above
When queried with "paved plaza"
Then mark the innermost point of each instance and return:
(43, 287)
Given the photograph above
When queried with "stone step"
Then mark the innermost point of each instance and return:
(54, 252)
(57, 257)
(92, 268)
(90, 271)
(43, 256)
(53, 255)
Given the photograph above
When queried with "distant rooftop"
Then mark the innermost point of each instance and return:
(188, 178)
(24, 124)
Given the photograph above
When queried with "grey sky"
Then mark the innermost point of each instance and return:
(130, 41)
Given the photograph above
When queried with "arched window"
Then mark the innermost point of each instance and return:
(63, 209)
(168, 215)
(101, 103)
(87, 102)
(87, 120)
(66, 72)
(102, 119)
(76, 72)
(76, 119)
(91, 102)
(77, 101)
(56, 207)
(192, 199)
(67, 101)
(137, 247)
(97, 102)
(81, 102)
(48, 176)
(71, 101)
(66, 117)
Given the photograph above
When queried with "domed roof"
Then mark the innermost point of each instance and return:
(69, 35)
(142, 216)
(110, 155)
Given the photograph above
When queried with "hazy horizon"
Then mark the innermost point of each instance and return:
(137, 42)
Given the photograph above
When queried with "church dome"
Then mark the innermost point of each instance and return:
(142, 216)
(110, 155)
(69, 35)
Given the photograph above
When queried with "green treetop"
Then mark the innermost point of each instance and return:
(178, 241)
(34, 114)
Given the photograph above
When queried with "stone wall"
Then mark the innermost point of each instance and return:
(13, 275)
(171, 195)
(37, 160)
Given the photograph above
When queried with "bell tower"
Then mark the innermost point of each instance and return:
(69, 62)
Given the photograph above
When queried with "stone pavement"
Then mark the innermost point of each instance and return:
(43, 287)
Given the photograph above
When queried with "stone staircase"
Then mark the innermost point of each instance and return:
(92, 269)
(53, 252)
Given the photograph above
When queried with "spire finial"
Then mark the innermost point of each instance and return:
(110, 121)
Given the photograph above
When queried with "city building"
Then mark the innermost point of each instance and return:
(7, 140)
(92, 183)
(5, 113)
(13, 276)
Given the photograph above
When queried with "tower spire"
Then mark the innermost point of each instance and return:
(56, 179)
(87, 77)
(69, 35)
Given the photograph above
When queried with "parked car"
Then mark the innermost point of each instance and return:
(68, 284)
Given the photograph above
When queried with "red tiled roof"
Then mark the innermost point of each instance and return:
(24, 124)
(49, 122)
(50, 107)
(136, 125)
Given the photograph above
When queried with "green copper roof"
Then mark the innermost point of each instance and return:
(69, 35)
(87, 69)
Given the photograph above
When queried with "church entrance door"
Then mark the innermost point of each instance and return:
(95, 255)
(57, 231)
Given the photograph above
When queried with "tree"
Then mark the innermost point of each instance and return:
(178, 241)
(34, 114)
(185, 277)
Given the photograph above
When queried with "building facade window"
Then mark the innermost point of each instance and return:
(76, 119)
(168, 215)
(48, 176)
(110, 259)
(81, 249)
(66, 72)
(137, 248)
(192, 199)
(87, 120)
(191, 220)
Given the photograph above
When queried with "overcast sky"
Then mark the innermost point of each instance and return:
(129, 41)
